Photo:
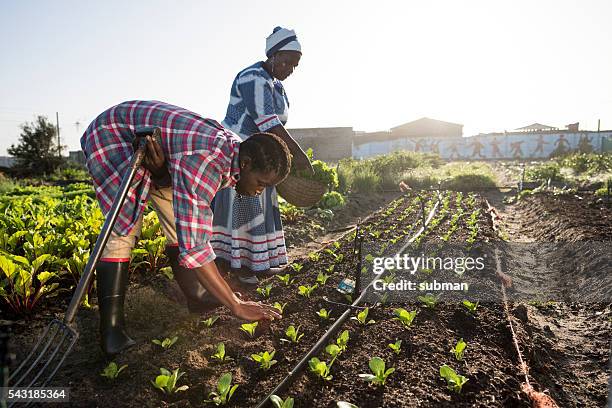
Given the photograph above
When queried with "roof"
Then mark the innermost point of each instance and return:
(536, 127)
(426, 122)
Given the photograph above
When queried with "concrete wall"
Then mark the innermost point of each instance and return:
(328, 144)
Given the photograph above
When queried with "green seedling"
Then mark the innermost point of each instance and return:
(388, 279)
(320, 368)
(362, 317)
(265, 359)
(429, 300)
(342, 340)
(471, 307)
(249, 328)
(454, 381)
(280, 307)
(314, 256)
(396, 347)
(379, 376)
(334, 351)
(322, 278)
(369, 258)
(112, 371)
(405, 317)
(220, 353)
(384, 298)
(330, 269)
(286, 279)
(297, 266)
(265, 291)
(224, 392)
(336, 245)
(165, 343)
(279, 403)
(324, 314)
(306, 291)
(459, 349)
(166, 381)
(293, 334)
(208, 323)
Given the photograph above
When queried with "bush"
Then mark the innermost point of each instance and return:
(544, 171)
(365, 180)
(331, 201)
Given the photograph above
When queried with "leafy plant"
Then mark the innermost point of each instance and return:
(293, 334)
(324, 314)
(314, 256)
(322, 278)
(279, 403)
(334, 351)
(330, 269)
(220, 354)
(249, 328)
(459, 349)
(405, 317)
(362, 317)
(166, 381)
(342, 340)
(454, 381)
(265, 359)
(208, 323)
(379, 376)
(471, 307)
(396, 347)
(112, 371)
(265, 291)
(320, 368)
(306, 291)
(280, 307)
(165, 343)
(297, 266)
(286, 279)
(429, 300)
(224, 392)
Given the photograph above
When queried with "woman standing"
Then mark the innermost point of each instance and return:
(247, 231)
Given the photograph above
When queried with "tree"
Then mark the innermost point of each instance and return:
(37, 152)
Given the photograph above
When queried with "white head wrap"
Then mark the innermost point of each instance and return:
(282, 39)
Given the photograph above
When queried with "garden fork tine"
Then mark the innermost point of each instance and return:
(60, 333)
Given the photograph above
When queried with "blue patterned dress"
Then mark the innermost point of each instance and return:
(247, 231)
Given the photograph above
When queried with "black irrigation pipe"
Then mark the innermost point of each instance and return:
(333, 328)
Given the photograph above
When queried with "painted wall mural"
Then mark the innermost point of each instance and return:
(491, 147)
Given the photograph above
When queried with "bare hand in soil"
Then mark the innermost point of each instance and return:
(251, 311)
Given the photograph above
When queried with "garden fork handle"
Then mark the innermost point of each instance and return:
(139, 153)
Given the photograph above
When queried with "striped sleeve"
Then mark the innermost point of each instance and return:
(198, 177)
(258, 95)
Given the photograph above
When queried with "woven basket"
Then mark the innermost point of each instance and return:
(301, 192)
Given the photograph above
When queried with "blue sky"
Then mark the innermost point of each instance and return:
(489, 65)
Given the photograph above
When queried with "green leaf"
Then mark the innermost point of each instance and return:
(377, 365)
(44, 276)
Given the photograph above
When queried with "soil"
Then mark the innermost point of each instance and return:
(565, 343)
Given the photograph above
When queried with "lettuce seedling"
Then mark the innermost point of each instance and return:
(314, 256)
(265, 359)
(112, 371)
(459, 349)
(166, 381)
(330, 269)
(224, 392)
(388, 279)
(336, 244)
(279, 403)
(210, 321)
(333, 350)
(280, 307)
(471, 307)
(454, 381)
(339, 258)
(220, 353)
(405, 317)
(306, 291)
(342, 340)
(396, 347)
(297, 266)
(324, 314)
(249, 328)
(429, 300)
(320, 368)
(322, 278)
(165, 343)
(286, 279)
(293, 334)
(265, 291)
(377, 366)
(362, 317)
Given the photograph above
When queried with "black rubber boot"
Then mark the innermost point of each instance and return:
(198, 299)
(112, 279)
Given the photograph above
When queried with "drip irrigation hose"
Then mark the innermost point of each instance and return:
(338, 323)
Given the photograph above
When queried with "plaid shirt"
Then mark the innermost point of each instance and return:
(202, 158)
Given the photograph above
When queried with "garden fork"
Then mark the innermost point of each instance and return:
(60, 336)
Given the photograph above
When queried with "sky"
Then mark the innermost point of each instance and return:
(372, 65)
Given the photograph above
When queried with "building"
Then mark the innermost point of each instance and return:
(329, 144)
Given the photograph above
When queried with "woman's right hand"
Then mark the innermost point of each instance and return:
(251, 311)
